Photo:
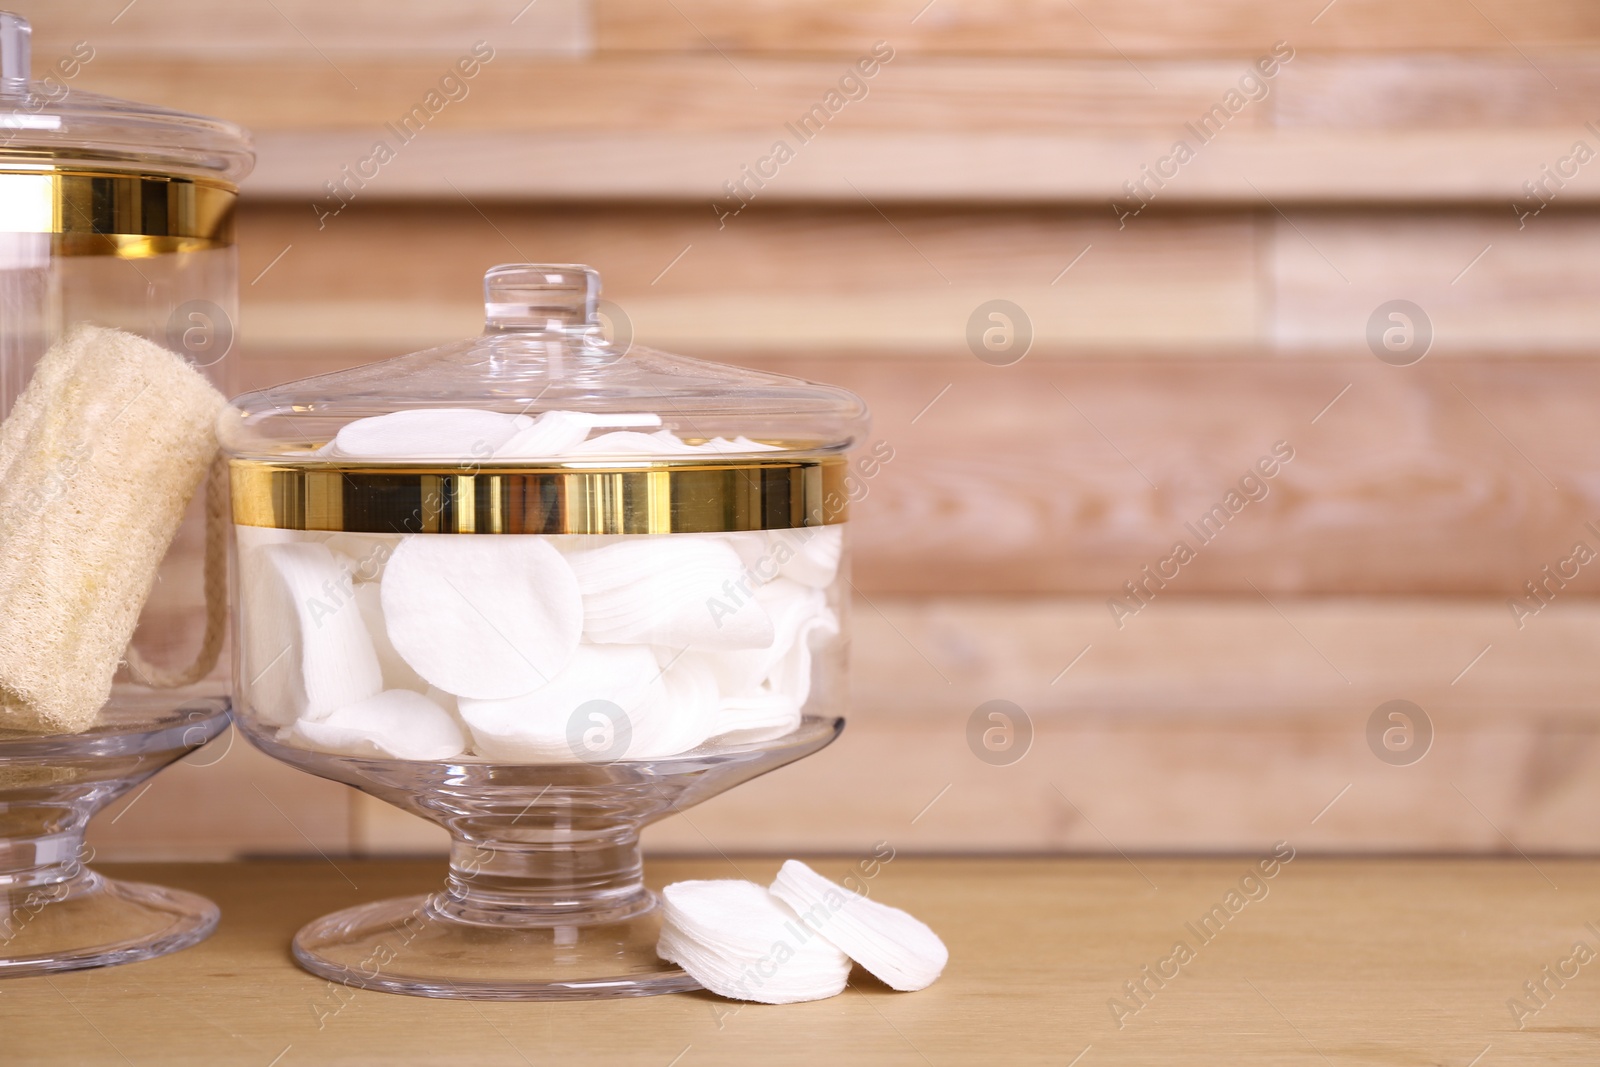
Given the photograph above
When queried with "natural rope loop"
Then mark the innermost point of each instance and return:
(216, 594)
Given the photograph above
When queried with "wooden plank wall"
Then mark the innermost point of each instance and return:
(1171, 349)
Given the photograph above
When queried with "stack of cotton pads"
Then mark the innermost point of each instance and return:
(794, 941)
(531, 648)
(474, 434)
(740, 941)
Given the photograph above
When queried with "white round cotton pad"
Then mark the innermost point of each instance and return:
(397, 673)
(809, 555)
(680, 714)
(556, 433)
(629, 443)
(397, 724)
(663, 443)
(427, 433)
(483, 617)
(738, 940)
(758, 716)
(369, 552)
(896, 948)
(306, 649)
(801, 619)
(752, 549)
(611, 702)
(680, 592)
(537, 727)
(791, 675)
(723, 446)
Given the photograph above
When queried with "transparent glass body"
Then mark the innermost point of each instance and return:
(543, 588)
(116, 225)
(119, 215)
(186, 301)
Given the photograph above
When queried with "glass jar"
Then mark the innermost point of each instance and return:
(542, 588)
(120, 215)
(118, 297)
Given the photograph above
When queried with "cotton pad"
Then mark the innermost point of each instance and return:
(629, 443)
(663, 443)
(681, 592)
(556, 433)
(791, 674)
(397, 724)
(369, 552)
(482, 617)
(800, 616)
(752, 549)
(680, 715)
(397, 673)
(641, 711)
(899, 950)
(474, 434)
(720, 445)
(306, 650)
(759, 716)
(536, 727)
(427, 433)
(816, 552)
(738, 940)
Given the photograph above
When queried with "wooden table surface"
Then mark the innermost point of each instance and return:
(1340, 961)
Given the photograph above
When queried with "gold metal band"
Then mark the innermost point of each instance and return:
(662, 497)
(110, 213)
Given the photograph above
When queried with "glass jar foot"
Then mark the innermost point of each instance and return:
(406, 945)
(57, 914)
(99, 922)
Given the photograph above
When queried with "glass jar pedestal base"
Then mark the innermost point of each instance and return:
(545, 896)
(95, 921)
(59, 915)
(409, 946)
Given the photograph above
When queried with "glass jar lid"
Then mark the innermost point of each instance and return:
(542, 425)
(45, 122)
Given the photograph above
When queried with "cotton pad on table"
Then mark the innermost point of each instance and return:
(898, 949)
(738, 940)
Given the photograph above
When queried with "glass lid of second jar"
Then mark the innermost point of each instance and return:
(543, 349)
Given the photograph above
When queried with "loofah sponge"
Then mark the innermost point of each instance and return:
(98, 460)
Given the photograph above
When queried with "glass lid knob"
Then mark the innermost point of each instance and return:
(16, 46)
(541, 297)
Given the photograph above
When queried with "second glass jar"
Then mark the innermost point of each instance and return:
(535, 547)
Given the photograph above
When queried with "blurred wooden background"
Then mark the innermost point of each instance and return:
(1170, 350)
